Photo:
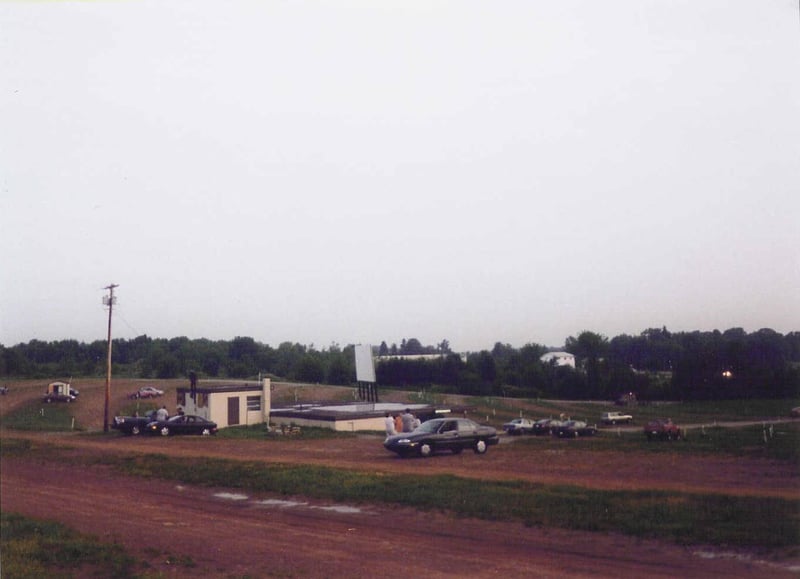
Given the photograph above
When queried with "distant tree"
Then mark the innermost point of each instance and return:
(589, 348)
(483, 365)
(310, 369)
(383, 350)
(339, 365)
(287, 359)
(412, 347)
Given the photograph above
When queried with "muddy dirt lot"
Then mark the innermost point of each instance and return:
(224, 533)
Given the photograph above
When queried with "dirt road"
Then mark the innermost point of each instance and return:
(207, 532)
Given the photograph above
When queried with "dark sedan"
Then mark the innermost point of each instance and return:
(182, 424)
(132, 424)
(439, 434)
(574, 429)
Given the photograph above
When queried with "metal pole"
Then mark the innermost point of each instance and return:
(108, 362)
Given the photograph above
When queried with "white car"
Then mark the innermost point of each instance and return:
(519, 426)
(616, 418)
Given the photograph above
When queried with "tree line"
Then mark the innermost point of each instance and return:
(655, 365)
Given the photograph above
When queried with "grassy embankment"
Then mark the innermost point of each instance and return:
(684, 518)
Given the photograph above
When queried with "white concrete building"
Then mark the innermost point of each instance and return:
(228, 404)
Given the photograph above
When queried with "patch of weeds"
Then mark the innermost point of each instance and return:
(34, 548)
(179, 560)
(36, 416)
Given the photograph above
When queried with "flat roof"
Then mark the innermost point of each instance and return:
(352, 411)
(212, 388)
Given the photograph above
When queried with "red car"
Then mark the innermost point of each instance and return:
(662, 428)
(147, 392)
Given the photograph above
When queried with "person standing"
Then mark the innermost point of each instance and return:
(162, 414)
(398, 424)
(389, 424)
(408, 421)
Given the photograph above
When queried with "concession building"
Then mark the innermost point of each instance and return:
(228, 403)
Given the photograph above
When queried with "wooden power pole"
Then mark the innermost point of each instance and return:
(109, 301)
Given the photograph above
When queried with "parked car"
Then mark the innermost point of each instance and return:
(182, 424)
(58, 397)
(615, 418)
(59, 392)
(453, 434)
(574, 429)
(133, 424)
(663, 429)
(544, 426)
(519, 426)
(147, 392)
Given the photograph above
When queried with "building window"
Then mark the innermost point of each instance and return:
(253, 403)
(181, 398)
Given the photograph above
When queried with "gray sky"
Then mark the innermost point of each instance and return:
(358, 171)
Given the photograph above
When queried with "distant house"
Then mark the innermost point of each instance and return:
(228, 404)
(561, 358)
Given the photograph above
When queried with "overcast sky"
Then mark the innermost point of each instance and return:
(357, 171)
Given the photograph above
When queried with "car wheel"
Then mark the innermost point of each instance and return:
(165, 431)
(613, 422)
(480, 447)
(576, 434)
(135, 430)
(206, 432)
(425, 449)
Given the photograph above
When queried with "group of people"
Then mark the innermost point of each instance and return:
(162, 414)
(405, 422)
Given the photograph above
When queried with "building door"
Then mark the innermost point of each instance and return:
(233, 411)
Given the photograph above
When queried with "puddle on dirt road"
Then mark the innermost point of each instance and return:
(231, 496)
(284, 504)
(340, 509)
(791, 567)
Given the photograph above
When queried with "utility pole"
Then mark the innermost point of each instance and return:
(108, 300)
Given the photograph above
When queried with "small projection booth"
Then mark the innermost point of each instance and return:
(228, 404)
